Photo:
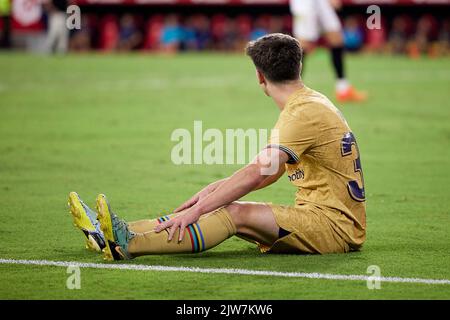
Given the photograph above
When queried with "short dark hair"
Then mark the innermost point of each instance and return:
(277, 56)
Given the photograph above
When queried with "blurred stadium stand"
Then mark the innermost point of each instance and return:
(408, 26)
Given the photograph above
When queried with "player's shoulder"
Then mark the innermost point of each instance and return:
(308, 103)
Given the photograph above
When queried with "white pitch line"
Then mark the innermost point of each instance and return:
(137, 267)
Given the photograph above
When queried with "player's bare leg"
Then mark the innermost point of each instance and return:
(345, 92)
(254, 221)
(334, 38)
(308, 47)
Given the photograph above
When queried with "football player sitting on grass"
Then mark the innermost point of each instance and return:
(311, 142)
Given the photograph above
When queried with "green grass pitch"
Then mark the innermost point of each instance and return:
(102, 124)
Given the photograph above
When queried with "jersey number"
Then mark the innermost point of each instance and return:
(356, 192)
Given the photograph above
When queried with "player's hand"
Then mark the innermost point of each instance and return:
(195, 198)
(189, 203)
(180, 222)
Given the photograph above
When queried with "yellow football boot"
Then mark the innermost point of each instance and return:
(115, 230)
(85, 219)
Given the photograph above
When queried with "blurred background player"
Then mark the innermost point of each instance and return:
(313, 18)
(58, 33)
(171, 35)
(80, 39)
(353, 35)
(129, 35)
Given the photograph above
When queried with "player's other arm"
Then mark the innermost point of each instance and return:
(255, 175)
(242, 182)
(200, 195)
(213, 186)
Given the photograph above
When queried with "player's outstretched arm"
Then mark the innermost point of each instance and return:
(200, 195)
(213, 186)
(242, 182)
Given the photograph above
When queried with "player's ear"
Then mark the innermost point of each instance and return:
(261, 78)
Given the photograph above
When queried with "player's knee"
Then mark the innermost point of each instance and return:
(307, 46)
(235, 209)
(335, 39)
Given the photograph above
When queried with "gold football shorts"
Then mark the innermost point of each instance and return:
(310, 231)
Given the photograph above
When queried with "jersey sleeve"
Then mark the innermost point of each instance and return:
(294, 136)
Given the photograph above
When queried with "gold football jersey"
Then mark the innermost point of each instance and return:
(324, 162)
